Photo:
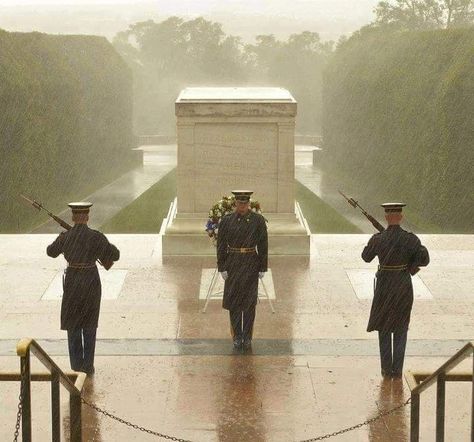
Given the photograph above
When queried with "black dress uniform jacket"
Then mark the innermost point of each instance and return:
(241, 285)
(393, 297)
(82, 288)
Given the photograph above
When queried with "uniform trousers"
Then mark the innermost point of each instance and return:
(392, 361)
(242, 323)
(81, 342)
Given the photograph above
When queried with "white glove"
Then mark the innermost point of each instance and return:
(261, 274)
(224, 275)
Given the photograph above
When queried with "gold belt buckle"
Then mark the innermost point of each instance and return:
(243, 250)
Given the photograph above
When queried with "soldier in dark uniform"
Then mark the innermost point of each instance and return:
(400, 254)
(242, 258)
(82, 247)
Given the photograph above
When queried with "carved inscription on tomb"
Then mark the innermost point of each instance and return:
(235, 155)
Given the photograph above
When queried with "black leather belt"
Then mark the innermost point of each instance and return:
(242, 249)
(398, 268)
(81, 265)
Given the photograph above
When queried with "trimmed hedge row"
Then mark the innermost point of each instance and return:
(65, 121)
(399, 121)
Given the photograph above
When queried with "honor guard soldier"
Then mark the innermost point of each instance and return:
(242, 258)
(82, 247)
(400, 254)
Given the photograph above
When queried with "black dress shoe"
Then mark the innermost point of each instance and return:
(247, 344)
(237, 343)
(89, 371)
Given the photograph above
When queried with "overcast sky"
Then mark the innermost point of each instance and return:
(352, 6)
(246, 18)
(65, 2)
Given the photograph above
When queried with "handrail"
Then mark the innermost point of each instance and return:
(440, 377)
(26, 344)
(24, 348)
(446, 367)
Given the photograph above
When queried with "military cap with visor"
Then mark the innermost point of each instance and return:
(393, 207)
(242, 195)
(80, 206)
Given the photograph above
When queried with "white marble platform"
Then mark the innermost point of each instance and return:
(325, 296)
(363, 280)
(112, 283)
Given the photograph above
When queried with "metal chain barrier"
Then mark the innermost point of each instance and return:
(354, 427)
(18, 418)
(20, 411)
(177, 439)
(129, 424)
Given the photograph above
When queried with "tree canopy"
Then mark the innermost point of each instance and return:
(424, 14)
(173, 54)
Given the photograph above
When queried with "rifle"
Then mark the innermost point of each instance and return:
(355, 204)
(375, 223)
(106, 264)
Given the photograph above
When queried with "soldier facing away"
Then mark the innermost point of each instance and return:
(242, 258)
(80, 307)
(399, 253)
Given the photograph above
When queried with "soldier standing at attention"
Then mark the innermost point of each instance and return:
(80, 307)
(242, 258)
(400, 253)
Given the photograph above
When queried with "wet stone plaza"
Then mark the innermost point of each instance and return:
(163, 364)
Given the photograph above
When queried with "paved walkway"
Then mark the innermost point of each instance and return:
(327, 189)
(159, 160)
(109, 200)
(165, 365)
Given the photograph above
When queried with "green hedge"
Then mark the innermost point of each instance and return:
(398, 122)
(65, 121)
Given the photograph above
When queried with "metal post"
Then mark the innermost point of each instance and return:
(440, 406)
(267, 295)
(472, 399)
(25, 370)
(209, 290)
(75, 417)
(55, 409)
(415, 418)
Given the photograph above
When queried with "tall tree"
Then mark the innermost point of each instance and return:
(425, 14)
(295, 64)
(175, 53)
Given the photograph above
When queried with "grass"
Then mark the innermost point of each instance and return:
(146, 213)
(321, 217)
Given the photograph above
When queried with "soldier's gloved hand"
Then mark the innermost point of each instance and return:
(261, 274)
(224, 275)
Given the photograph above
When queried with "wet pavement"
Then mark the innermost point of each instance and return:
(163, 364)
(111, 199)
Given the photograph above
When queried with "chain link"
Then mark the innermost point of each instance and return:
(20, 411)
(129, 424)
(18, 418)
(354, 427)
(176, 439)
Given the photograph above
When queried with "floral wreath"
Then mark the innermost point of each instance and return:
(224, 207)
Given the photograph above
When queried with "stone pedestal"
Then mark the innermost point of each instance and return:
(232, 138)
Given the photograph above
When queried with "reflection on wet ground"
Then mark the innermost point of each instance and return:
(241, 398)
(110, 199)
(164, 365)
(393, 426)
